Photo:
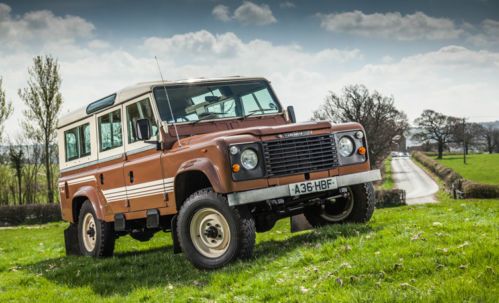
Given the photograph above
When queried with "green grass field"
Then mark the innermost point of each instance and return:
(446, 252)
(481, 168)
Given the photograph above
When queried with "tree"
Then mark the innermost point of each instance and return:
(436, 127)
(377, 113)
(31, 170)
(472, 135)
(16, 156)
(44, 101)
(5, 109)
(491, 136)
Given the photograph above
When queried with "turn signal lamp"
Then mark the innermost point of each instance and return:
(362, 150)
(236, 168)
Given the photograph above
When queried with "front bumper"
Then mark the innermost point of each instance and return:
(281, 191)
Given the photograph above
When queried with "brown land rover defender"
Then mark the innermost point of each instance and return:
(213, 161)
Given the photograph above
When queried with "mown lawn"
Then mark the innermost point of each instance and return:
(444, 252)
(482, 168)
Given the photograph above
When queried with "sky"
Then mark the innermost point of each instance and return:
(440, 55)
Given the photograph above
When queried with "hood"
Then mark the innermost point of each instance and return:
(265, 131)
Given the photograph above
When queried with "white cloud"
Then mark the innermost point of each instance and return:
(287, 4)
(491, 27)
(221, 12)
(98, 44)
(487, 35)
(247, 13)
(195, 46)
(205, 48)
(453, 80)
(251, 13)
(391, 25)
(40, 26)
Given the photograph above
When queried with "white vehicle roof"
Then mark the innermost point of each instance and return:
(138, 89)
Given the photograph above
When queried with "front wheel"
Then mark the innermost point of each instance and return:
(357, 207)
(96, 237)
(213, 234)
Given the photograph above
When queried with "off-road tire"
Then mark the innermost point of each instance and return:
(364, 201)
(239, 220)
(105, 238)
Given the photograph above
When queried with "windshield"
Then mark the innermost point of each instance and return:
(195, 102)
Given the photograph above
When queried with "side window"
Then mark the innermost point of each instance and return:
(71, 141)
(110, 133)
(136, 111)
(77, 142)
(85, 140)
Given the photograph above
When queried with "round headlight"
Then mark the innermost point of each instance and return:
(249, 159)
(346, 146)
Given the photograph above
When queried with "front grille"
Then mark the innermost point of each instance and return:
(299, 155)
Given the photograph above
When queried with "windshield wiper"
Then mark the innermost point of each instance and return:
(251, 113)
(210, 115)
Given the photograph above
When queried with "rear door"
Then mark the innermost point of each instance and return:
(144, 180)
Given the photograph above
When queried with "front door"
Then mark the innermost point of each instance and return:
(145, 184)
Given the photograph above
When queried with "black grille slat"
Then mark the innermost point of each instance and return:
(280, 151)
(300, 155)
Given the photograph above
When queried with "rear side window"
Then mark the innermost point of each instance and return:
(77, 142)
(137, 111)
(110, 132)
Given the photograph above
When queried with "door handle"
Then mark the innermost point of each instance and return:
(101, 177)
(130, 175)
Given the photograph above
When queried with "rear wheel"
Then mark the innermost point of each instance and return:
(95, 237)
(358, 207)
(213, 234)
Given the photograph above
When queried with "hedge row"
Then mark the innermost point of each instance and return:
(454, 181)
(29, 214)
(390, 198)
(447, 175)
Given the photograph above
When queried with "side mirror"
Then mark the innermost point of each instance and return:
(143, 129)
(291, 114)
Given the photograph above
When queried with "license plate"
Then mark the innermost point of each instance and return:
(313, 186)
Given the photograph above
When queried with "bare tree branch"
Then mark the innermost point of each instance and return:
(377, 113)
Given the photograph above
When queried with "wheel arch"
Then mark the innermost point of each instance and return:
(202, 170)
(187, 183)
(86, 193)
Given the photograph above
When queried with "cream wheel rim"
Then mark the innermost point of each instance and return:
(89, 232)
(344, 212)
(210, 232)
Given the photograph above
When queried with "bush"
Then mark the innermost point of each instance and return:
(29, 214)
(390, 198)
(479, 191)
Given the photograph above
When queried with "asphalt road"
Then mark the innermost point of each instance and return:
(419, 187)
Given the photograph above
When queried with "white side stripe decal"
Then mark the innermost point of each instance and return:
(146, 189)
